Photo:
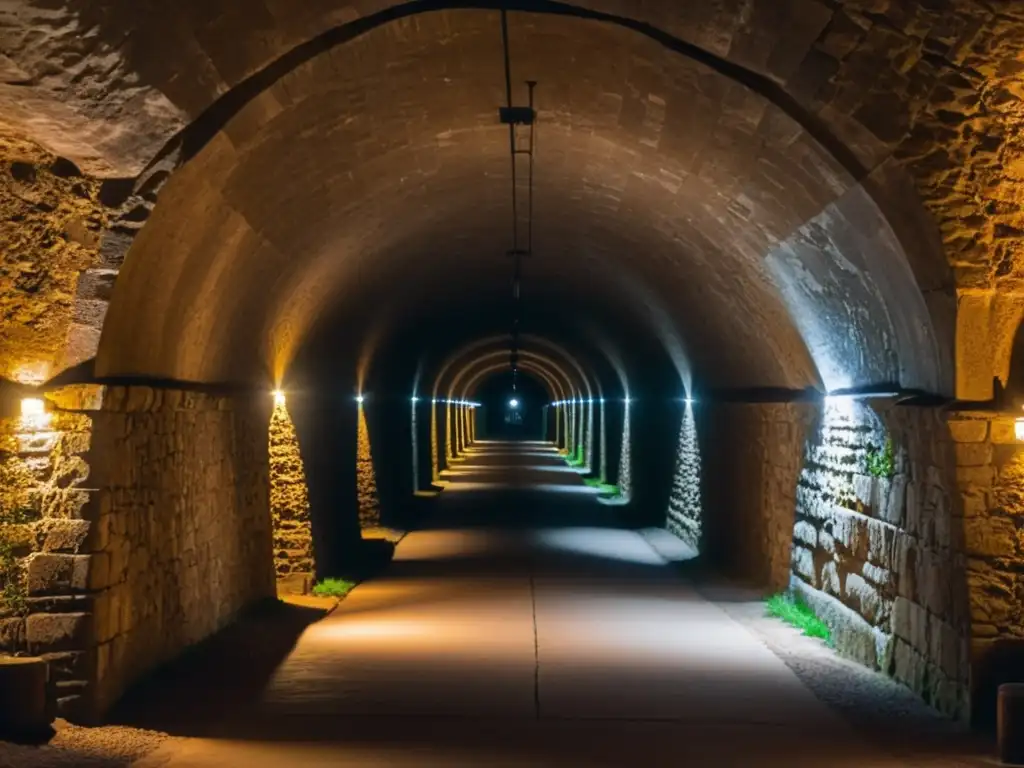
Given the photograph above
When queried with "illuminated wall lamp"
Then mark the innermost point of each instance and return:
(33, 411)
(1018, 429)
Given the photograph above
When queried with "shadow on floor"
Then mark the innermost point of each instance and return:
(220, 675)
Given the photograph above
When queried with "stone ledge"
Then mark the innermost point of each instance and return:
(53, 632)
(52, 573)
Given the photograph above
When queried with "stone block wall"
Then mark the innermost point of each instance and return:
(182, 532)
(878, 550)
(45, 599)
(685, 514)
(289, 505)
(752, 455)
(990, 476)
(367, 497)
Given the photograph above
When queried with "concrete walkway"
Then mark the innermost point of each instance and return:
(523, 627)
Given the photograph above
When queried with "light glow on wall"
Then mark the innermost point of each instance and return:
(685, 515)
(34, 413)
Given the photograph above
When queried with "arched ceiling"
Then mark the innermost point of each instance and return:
(679, 199)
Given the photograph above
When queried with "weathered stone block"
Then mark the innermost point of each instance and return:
(864, 598)
(51, 573)
(803, 563)
(992, 594)
(910, 622)
(968, 430)
(979, 478)
(805, 533)
(973, 454)
(12, 634)
(991, 536)
(65, 536)
(52, 632)
(829, 580)
(1003, 432)
(895, 501)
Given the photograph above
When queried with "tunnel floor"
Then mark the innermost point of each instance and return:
(523, 625)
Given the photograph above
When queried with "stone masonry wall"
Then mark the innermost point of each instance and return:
(289, 505)
(685, 514)
(990, 475)
(182, 539)
(878, 545)
(45, 604)
(752, 456)
(53, 226)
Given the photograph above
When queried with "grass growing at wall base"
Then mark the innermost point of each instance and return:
(576, 459)
(794, 611)
(605, 488)
(333, 588)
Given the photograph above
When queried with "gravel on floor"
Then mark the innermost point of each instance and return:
(882, 710)
(109, 746)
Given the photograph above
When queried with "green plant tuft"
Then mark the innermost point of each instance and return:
(575, 459)
(881, 462)
(794, 611)
(605, 488)
(333, 588)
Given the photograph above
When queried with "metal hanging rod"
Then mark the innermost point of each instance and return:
(513, 116)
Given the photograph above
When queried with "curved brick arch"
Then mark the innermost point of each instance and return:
(793, 283)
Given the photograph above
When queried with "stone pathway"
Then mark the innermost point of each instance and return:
(524, 627)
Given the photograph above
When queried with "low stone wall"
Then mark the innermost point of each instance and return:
(182, 533)
(877, 545)
(752, 456)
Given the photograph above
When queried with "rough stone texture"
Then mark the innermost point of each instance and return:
(43, 498)
(367, 498)
(685, 513)
(752, 457)
(625, 473)
(880, 558)
(51, 224)
(289, 501)
(990, 477)
(182, 534)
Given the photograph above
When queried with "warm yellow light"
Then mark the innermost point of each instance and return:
(278, 397)
(33, 412)
(1018, 429)
(32, 407)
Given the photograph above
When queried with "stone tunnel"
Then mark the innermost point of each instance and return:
(256, 297)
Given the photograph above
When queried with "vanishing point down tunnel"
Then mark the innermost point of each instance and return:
(569, 333)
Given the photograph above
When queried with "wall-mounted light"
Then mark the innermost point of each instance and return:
(513, 403)
(627, 400)
(415, 399)
(841, 396)
(33, 412)
(279, 398)
(360, 399)
(689, 400)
